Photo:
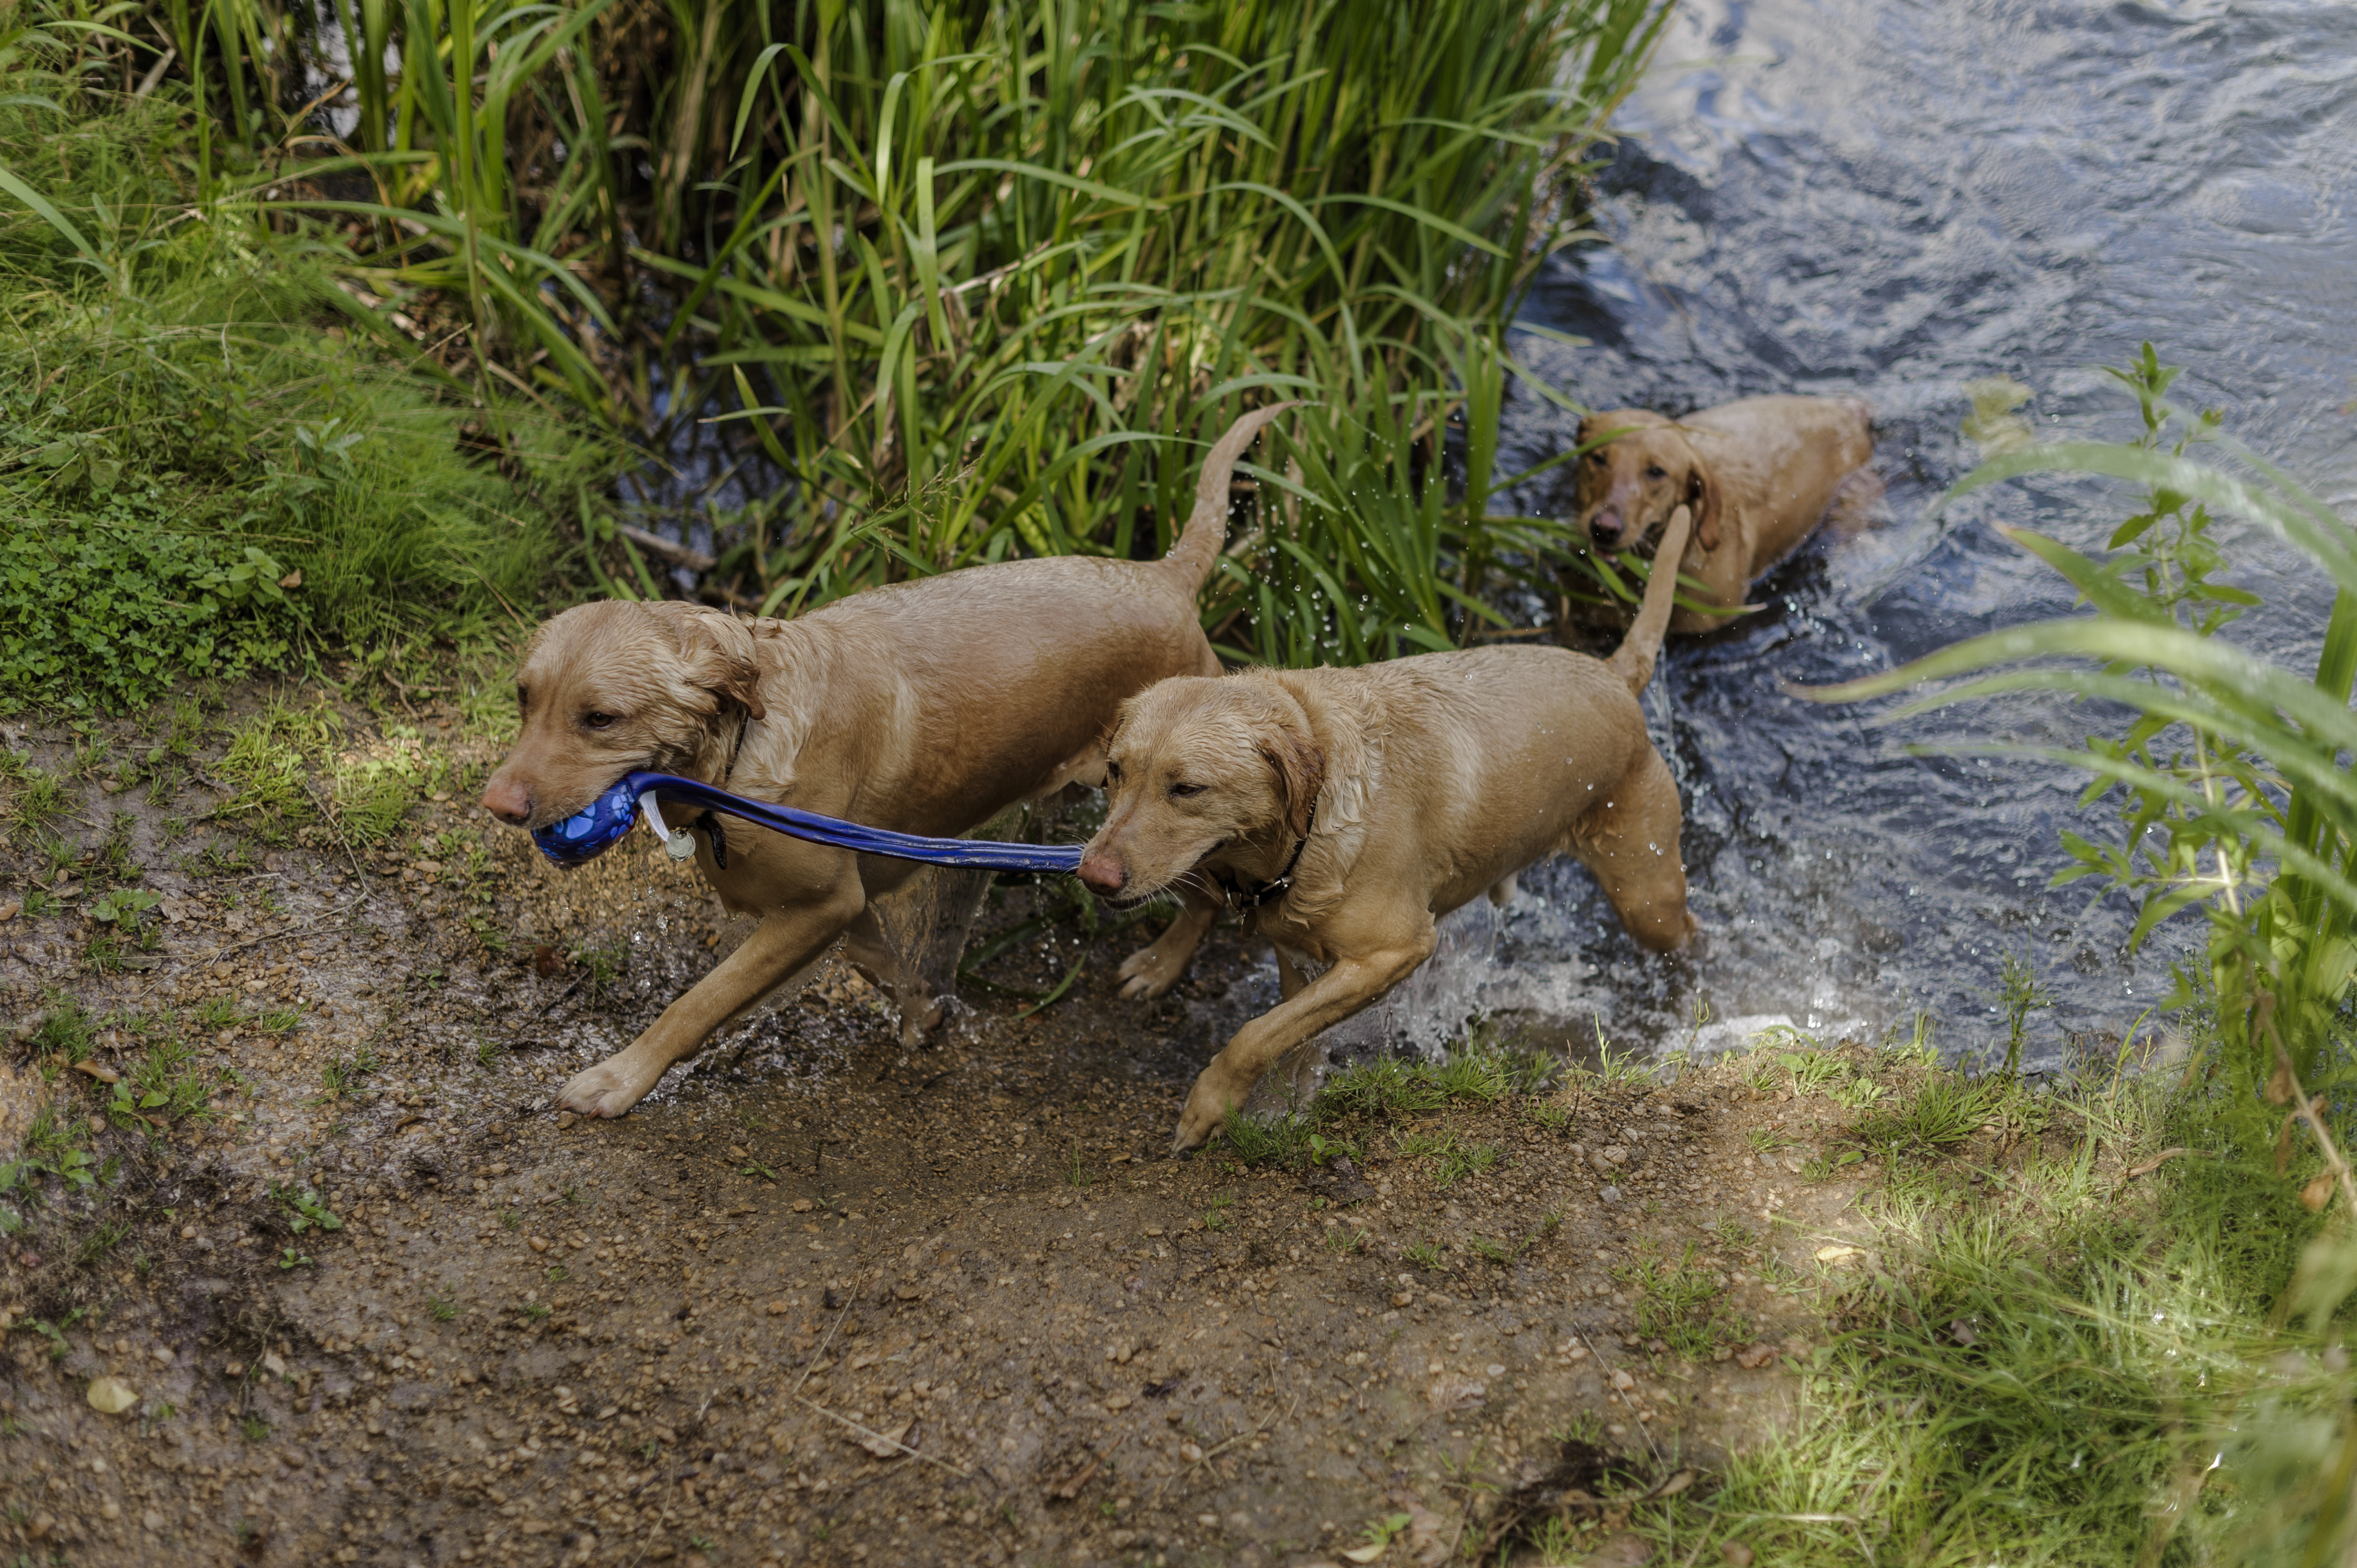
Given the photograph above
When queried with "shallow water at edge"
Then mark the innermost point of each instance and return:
(1891, 199)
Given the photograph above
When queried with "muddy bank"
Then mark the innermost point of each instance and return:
(818, 1299)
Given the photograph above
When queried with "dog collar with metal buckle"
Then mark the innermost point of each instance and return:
(1263, 892)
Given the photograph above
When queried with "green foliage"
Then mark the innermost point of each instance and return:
(202, 470)
(1613, 1070)
(269, 759)
(1476, 1076)
(124, 904)
(345, 1077)
(1266, 1141)
(979, 281)
(2081, 1374)
(1678, 1304)
(2155, 1381)
(170, 1083)
(2020, 994)
(1465, 1160)
(1947, 1109)
(305, 1211)
(66, 1032)
(35, 800)
(2232, 784)
(1385, 1086)
(1813, 1072)
(1388, 1088)
(100, 1242)
(52, 1147)
(217, 1013)
(1857, 1093)
(604, 964)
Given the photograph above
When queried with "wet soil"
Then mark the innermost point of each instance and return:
(818, 1299)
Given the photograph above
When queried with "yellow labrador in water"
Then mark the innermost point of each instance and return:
(1349, 809)
(1759, 475)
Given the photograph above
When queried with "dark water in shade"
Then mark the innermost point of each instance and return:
(1891, 199)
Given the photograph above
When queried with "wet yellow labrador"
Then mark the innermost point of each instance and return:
(925, 707)
(1759, 475)
(1349, 809)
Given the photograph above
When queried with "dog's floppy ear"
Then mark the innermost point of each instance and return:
(1702, 494)
(1300, 769)
(718, 651)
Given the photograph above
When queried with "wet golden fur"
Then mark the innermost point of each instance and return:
(926, 707)
(1759, 474)
(1419, 784)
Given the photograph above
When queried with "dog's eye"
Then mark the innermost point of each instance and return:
(1655, 471)
(1181, 791)
(597, 721)
(523, 698)
(1596, 456)
(1112, 772)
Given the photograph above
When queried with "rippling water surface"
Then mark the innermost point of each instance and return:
(1891, 199)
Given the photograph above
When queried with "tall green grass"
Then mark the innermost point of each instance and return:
(963, 281)
(206, 466)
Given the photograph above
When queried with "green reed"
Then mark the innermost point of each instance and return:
(973, 280)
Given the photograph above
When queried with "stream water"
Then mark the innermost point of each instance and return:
(1888, 198)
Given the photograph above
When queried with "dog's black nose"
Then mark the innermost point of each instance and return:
(1104, 874)
(1606, 530)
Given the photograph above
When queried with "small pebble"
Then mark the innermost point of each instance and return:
(110, 1396)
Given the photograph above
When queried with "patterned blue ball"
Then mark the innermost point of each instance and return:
(591, 832)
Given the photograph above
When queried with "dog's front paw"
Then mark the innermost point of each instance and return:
(1208, 1105)
(610, 1089)
(1146, 974)
(917, 1029)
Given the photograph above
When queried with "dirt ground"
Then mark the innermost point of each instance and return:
(364, 1299)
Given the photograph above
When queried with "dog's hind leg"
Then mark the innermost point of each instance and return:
(1631, 846)
(871, 953)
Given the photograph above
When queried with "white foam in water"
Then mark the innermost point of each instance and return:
(1465, 979)
(1431, 1006)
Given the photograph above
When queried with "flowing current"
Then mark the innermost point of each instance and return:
(1889, 199)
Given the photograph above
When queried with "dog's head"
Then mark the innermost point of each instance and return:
(1630, 483)
(607, 688)
(1195, 763)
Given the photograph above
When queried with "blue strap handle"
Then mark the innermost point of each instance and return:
(606, 819)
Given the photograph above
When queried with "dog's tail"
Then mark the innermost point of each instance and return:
(1206, 528)
(1633, 662)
